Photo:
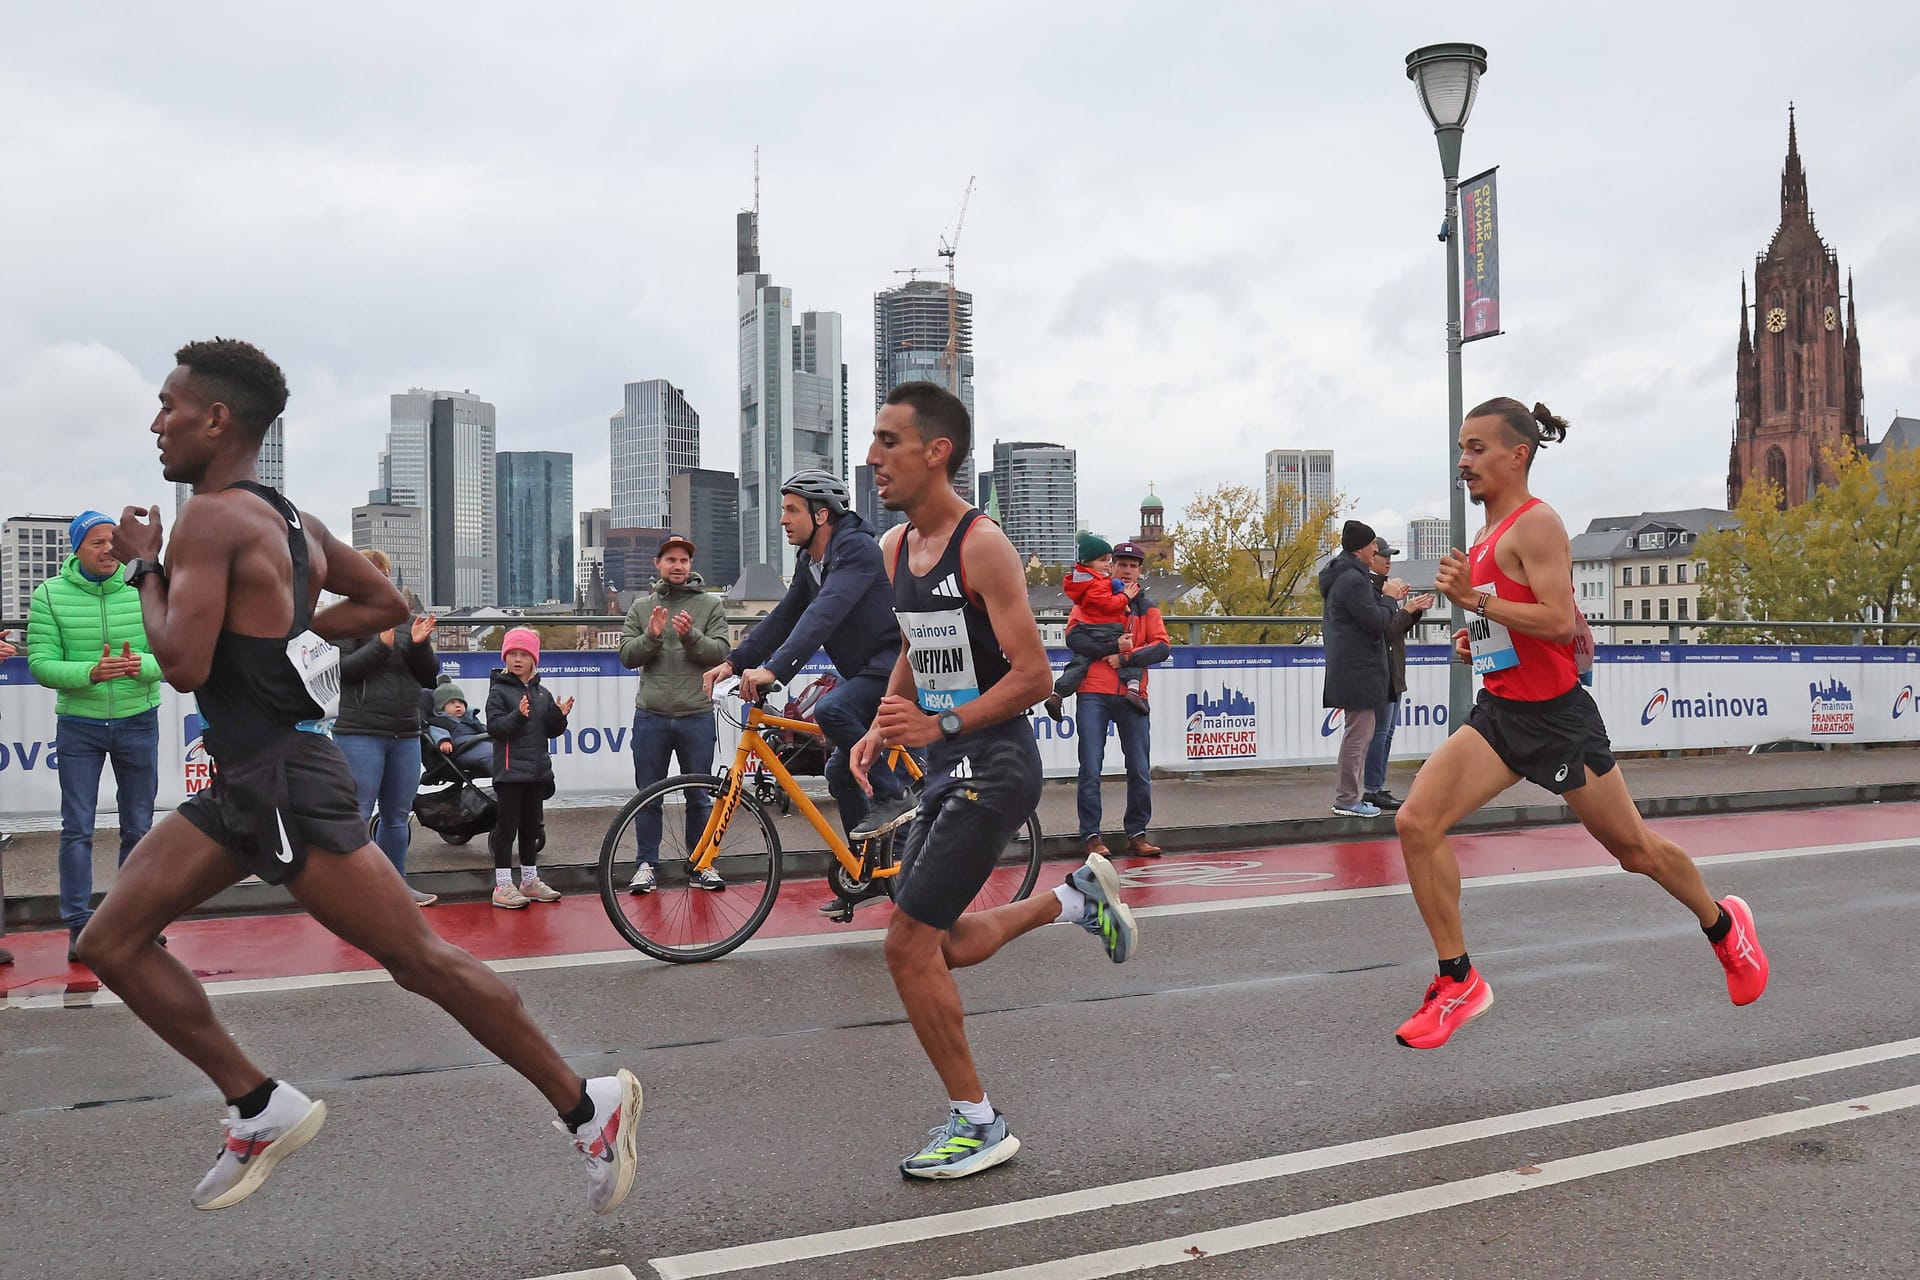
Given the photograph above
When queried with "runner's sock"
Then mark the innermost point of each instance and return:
(1073, 903)
(581, 1113)
(503, 877)
(253, 1102)
(1457, 968)
(1719, 929)
(980, 1112)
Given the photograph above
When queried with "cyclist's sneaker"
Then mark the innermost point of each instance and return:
(538, 890)
(885, 815)
(838, 906)
(1449, 1006)
(253, 1147)
(706, 879)
(960, 1147)
(606, 1142)
(643, 881)
(1740, 953)
(509, 897)
(1107, 917)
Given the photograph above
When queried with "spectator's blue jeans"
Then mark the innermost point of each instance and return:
(1092, 713)
(386, 772)
(83, 747)
(655, 738)
(845, 715)
(1375, 776)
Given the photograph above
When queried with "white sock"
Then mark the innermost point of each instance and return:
(1073, 903)
(503, 877)
(528, 875)
(980, 1112)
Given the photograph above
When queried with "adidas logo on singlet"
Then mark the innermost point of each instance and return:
(948, 587)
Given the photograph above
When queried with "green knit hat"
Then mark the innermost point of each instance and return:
(1091, 546)
(446, 692)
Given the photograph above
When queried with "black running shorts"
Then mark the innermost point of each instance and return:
(268, 807)
(980, 790)
(1552, 743)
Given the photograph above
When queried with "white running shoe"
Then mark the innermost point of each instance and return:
(643, 879)
(253, 1147)
(606, 1142)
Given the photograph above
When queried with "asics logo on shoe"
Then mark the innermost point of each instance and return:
(1452, 1005)
(1742, 948)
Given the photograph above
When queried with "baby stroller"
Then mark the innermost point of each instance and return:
(452, 801)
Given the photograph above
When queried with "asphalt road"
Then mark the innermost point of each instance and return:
(783, 1087)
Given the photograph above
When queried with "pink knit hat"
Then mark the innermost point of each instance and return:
(521, 638)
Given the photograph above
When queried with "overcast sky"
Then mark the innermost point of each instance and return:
(1201, 230)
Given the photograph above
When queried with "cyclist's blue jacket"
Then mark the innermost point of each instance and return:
(849, 610)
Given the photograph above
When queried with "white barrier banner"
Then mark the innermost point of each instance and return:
(1214, 707)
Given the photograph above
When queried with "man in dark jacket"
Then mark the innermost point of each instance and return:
(841, 598)
(378, 728)
(1353, 622)
(1404, 619)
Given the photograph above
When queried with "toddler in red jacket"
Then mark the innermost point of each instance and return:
(1099, 617)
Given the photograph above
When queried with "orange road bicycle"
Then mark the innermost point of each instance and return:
(725, 823)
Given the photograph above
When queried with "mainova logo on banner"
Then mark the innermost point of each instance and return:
(1831, 708)
(1222, 727)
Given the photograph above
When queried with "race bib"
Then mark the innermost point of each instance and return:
(1491, 642)
(941, 658)
(317, 663)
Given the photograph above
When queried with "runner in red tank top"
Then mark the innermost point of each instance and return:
(1533, 720)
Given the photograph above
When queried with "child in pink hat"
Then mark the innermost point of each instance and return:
(521, 719)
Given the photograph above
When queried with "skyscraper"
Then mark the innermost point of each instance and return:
(439, 457)
(705, 506)
(32, 549)
(534, 491)
(592, 550)
(1037, 488)
(1427, 537)
(910, 343)
(654, 437)
(1306, 474)
(401, 532)
(272, 466)
(792, 408)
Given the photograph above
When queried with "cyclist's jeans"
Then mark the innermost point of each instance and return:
(845, 715)
(655, 738)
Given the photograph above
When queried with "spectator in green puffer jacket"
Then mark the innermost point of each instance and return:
(85, 640)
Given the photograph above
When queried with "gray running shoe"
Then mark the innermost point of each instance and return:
(253, 1147)
(643, 879)
(884, 816)
(1107, 917)
(960, 1147)
(708, 879)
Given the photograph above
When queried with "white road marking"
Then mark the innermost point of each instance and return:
(988, 1217)
(1491, 1186)
(598, 1273)
(587, 959)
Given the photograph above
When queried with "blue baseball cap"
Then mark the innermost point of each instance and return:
(77, 531)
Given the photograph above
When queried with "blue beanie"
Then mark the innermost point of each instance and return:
(77, 531)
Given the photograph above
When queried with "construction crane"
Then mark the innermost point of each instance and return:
(950, 250)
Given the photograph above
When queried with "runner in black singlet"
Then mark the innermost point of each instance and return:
(230, 618)
(969, 670)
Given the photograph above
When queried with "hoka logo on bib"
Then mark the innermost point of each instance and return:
(1708, 706)
(1903, 703)
(198, 770)
(1832, 708)
(1223, 728)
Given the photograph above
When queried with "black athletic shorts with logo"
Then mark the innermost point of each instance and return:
(269, 806)
(1552, 743)
(980, 790)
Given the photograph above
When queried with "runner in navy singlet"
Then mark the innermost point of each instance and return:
(230, 617)
(1534, 719)
(970, 667)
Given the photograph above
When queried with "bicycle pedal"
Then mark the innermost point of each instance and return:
(844, 915)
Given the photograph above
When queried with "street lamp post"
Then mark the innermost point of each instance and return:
(1448, 76)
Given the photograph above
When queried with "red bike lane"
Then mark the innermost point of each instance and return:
(292, 945)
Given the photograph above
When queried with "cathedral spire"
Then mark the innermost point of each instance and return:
(1746, 335)
(1793, 179)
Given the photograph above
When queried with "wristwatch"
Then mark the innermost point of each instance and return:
(950, 724)
(138, 569)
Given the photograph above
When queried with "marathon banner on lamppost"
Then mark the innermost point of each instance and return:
(1480, 225)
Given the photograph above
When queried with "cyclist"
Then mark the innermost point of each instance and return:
(840, 598)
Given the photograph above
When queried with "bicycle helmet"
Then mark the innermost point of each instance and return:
(823, 487)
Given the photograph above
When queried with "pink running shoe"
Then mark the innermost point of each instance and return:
(1740, 953)
(1449, 1006)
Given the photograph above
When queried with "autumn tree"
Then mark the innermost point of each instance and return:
(1247, 557)
(1850, 553)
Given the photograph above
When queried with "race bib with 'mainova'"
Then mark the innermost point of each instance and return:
(941, 658)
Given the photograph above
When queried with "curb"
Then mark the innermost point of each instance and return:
(472, 885)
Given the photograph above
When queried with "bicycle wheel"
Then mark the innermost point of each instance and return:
(677, 921)
(1016, 871)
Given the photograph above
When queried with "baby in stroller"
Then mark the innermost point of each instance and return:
(456, 731)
